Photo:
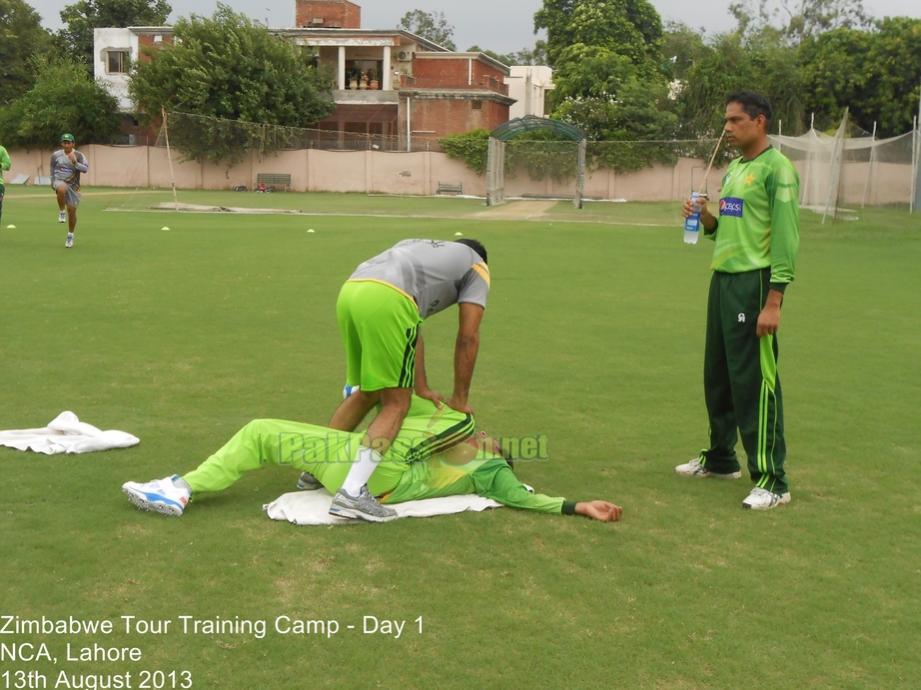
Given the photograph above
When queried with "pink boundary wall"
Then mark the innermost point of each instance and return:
(314, 170)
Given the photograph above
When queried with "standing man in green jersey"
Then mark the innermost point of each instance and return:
(5, 164)
(380, 312)
(66, 165)
(757, 237)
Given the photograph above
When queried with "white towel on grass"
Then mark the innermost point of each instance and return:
(66, 434)
(312, 507)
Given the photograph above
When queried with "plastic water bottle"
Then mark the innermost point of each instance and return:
(692, 222)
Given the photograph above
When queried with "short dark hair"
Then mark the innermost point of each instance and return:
(754, 104)
(475, 246)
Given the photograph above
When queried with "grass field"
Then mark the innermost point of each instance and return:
(593, 336)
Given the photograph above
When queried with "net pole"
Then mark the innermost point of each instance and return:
(870, 168)
(915, 150)
(169, 158)
(831, 200)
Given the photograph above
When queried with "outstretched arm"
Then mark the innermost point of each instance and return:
(496, 480)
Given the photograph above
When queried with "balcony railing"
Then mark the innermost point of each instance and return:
(408, 81)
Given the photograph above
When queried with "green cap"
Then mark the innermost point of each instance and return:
(67, 137)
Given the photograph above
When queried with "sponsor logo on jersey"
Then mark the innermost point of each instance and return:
(731, 206)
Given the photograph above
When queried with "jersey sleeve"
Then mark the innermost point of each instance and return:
(783, 189)
(83, 165)
(5, 161)
(475, 285)
(496, 480)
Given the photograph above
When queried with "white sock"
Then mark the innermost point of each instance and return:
(363, 467)
(70, 235)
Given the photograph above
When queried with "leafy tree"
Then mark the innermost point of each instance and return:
(430, 25)
(63, 99)
(82, 17)
(21, 38)
(798, 19)
(634, 25)
(228, 67)
(682, 46)
(874, 73)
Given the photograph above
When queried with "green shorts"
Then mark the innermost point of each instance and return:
(379, 325)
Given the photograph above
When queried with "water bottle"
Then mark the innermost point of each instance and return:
(692, 222)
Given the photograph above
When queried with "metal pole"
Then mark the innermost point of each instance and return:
(169, 157)
(870, 168)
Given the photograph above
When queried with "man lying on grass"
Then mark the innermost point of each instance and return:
(437, 453)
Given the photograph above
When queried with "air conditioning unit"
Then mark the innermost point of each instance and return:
(404, 56)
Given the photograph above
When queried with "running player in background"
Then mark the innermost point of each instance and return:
(66, 165)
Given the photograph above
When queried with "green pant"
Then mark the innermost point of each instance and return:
(741, 385)
(328, 454)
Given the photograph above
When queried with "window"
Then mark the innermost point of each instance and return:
(117, 61)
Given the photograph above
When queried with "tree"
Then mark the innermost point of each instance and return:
(763, 62)
(682, 47)
(609, 75)
(63, 99)
(429, 25)
(873, 73)
(228, 67)
(21, 38)
(797, 19)
(84, 16)
(604, 22)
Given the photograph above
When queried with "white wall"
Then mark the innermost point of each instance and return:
(121, 39)
(528, 85)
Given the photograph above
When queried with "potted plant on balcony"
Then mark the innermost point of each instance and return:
(353, 79)
(372, 79)
(363, 82)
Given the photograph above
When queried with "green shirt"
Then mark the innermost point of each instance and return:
(5, 163)
(759, 217)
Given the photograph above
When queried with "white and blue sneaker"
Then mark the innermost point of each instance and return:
(62, 216)
(762, 499)
(69, 242)
(695, 468)
(361, 507)
(169, 495)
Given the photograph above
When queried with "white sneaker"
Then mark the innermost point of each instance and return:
(69, 242)
(62, 216)
(160, 495)
(695, 468)
(762, 499)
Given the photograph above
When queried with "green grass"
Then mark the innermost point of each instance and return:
(594, 337)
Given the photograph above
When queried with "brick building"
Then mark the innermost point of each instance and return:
(386, 82)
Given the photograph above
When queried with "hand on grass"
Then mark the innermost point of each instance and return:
(599, 510)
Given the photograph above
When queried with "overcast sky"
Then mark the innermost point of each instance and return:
(500, 26)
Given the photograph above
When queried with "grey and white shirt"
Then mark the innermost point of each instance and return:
(435, 273)
(62, 170)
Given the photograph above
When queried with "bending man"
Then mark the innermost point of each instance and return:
(380, 311)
